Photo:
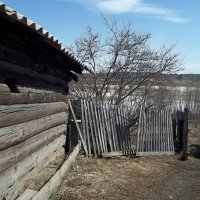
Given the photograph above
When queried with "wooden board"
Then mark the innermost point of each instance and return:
(18, 152)
(46, 191)
(28, 194)
(8, 98)
(28, 96)
(15, 114)
(12, 135)
(21, 183)
(9, 178)
(112, 154)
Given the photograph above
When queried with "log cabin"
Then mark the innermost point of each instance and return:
(35, 70)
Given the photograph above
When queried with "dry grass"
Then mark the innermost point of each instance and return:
(158, 177)
(122, 178)
(37, 181)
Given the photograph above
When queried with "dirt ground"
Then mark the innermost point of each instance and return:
(132, 178)
(151, 178)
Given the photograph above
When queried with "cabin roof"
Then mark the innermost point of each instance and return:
(51, 40)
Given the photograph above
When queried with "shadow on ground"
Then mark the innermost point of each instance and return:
(194, 150)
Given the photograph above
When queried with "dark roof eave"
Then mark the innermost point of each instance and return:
(49, 39)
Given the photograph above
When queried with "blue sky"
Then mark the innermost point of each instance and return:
(169, 21)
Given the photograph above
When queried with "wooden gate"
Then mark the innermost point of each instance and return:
(155, 134)
(105, 129)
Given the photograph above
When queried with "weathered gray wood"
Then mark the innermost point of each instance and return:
(47, 189)
(112, 154)
(9, 178)
(18, 152)
(184, 155)
(144, 130)
(138, 144)
(116, 129)
(107, 125)
(95, 128)
(15, 134)
(130, 152)
(120, 129)
(103, 126)
(101, 120)
(28, 194)
(8, 98)
(162, 153)
(91, 128)
(4, 88)
(36, 90)
(110, 117)
(87, 129)
(110, 125)
(156, 128)
(78, 128)
(15, 114)
(83, 120)
(21, 183)
(98, 128)
(126, 131)
(168, 131)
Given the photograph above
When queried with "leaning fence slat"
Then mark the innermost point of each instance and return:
(138, 144)
(113, 121)
(113, 128)
(87, 128)
(144, 131)
(168, 132)
(155, 133)
(121, 132)
(103, 127)
(91, 129)
(95, 129)
(109, 125)
(118, 128)
(99, 123)
(128, 132)
(83, 121)
(128, 139)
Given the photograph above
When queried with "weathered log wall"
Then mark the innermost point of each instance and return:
(28, 96)
(33, 125)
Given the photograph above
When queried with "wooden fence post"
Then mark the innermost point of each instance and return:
(184, 155)
(174, 129)
(180, 122)
(68, 138)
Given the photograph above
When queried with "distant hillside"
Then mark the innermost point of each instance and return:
(170, 77)
(184, 77)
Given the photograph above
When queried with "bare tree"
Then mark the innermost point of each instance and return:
(125, 65)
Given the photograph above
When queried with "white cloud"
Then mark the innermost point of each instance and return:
(132, 6)
(117, 6)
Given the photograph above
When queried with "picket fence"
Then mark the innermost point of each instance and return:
(105, 128)
(155, 134)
